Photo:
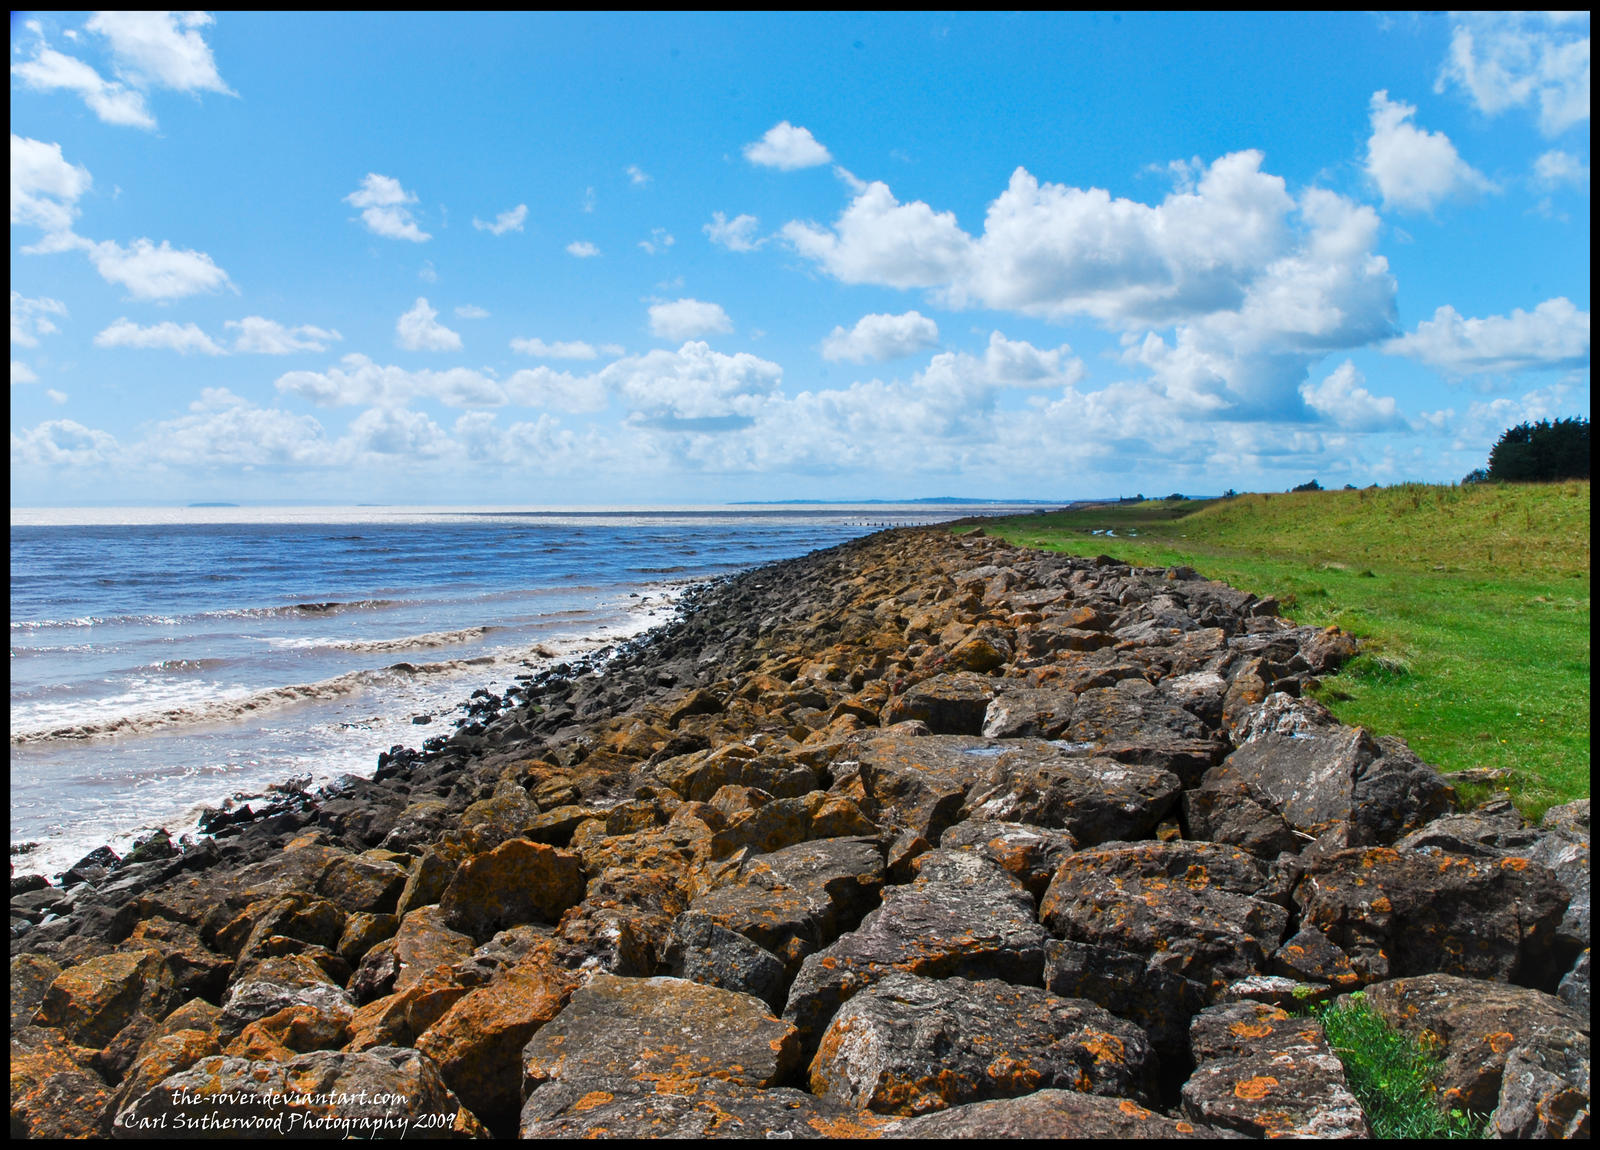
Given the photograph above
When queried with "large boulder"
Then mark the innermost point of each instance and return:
(909, 1045)
(1050, 1114)
(518, 881)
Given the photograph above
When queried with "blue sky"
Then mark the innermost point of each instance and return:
(586, 259)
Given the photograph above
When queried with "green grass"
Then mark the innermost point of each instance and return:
(1393, 1077)
(1471, 603)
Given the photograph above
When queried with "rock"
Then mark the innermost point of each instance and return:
(1473, 1025)
(1094, 799)
(1131, 986)
(1050, 1114)
(1221, 810)
(1295, 760)
(278, 983)
(707, 953)
(1396, 913)
(362, 885)
(1039, 713)
(92, 1001)
(963, 916)
(950, 704)
(477, 1043)
(1574, 986)
(1188, 907)
(31, 976)
(518, 881)
(1135, 724)
(385, 1092)
(703, 1108)
(909, 1045)
(1030, 854)
(661, 1034)
(1544, 1090)
(1266, 1073)
(55, 1093)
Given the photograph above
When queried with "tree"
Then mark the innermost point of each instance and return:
(1476, 475)
(1543, 450)
(1312, 486)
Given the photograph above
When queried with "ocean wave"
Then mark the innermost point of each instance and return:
(288, 609)
(406, 643)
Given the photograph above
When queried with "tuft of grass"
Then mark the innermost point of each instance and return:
(1393, 1077)
(1471, 604)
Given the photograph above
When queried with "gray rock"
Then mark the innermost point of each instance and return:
(909, 1045)
(701, 951)
(1051, 1114)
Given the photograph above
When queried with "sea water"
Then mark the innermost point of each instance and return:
(164, 660)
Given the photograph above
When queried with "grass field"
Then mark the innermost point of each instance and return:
(1471, 604)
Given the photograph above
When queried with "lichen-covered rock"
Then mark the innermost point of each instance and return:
(55, 1092)
(701, 951)
(92, 1001)
(909, 1045)
(1318, 774)
(518, 881)
(385, 1092)
(950, 704)
(1473, 1025)
(1266, 1073)
(1030, 854)
(358, 884)
(797, 900)
(653, 1031)
(1397, 913)
(1131, 986)
(962, 916)
(1094, 799)
(1050, 1114)
(1221, 810)
(694, 1108)
(477, 1044)
(1544, 1090)
(1190, 908)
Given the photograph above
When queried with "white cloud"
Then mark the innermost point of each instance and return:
(1017, 363)
(382, 202)
(660, 240)
(161, 49)
(418, 331)
(156, 273)
(1554, 335)
(44, 187)
(737, 234)
(112, 102)
(637, 177)
(30, 318)
(1341, 399)
(63, 443)
(1556, 168)
(687, 318)
(22, 373)
(56, 397)
(788, 148)
(510, 221)
(582, 249)
(471, 311)
(1415, 169)
(260, 336)
(574, 349)
(361, 382)
(168, 336)
(879, 240)
(879, 337)
(1518, 59)
(545, 387)
(397, 431)
(692, 383)
(588, 200)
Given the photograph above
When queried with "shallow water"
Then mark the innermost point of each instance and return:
(163, 660)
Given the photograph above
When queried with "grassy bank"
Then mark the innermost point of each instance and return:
(1472, 605)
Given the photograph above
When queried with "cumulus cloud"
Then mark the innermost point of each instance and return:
(737, 234)
(22, 373)
(545, 387)
(155, 273)
(510, 221)
(383, 208)
(1555, 169)
(561, 349)
(358, 382)
(168, 336)
(161, 49)
(693, 383)
(879, 337)
(1415, 169)
(30, 318)
(417, 330)
(45, 188)
(1017, 363)
(879, 240)
(1554, 335)
(787, 148)
(1342, 400)
(261, 336)
(1520, 59)
(112, 102)
(687, 318)
(582, 249)
(63, 443)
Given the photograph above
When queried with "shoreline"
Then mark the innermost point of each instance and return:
(53, 860)
(1078, 806)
